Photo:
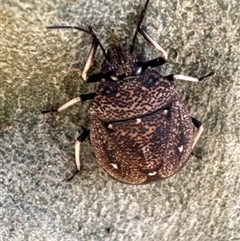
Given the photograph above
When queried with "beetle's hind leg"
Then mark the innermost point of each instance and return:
(199, 126)
(81, 138)
(80, 98)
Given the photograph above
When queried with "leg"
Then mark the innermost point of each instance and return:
(78, 142)
(154, 62)
(154, 43)
(206, 76)
(197, 156)
(95, 78)
(198, 125)
(93, 49)
(174, 77)
(90, 59)
(81, 98)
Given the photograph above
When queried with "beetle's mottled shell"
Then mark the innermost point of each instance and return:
(132, 97)
(140, 129)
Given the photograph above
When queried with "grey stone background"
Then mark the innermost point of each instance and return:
(41, 69)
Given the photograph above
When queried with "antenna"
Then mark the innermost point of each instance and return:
(140, 19)
(89, 31)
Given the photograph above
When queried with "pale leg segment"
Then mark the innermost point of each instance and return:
(174, 77)
(159, 61)
(69, 103)
(198, 125)
(77, 154)
(153, 42)
(90, 59)
(80, 98)
(64, 106)
(78, 143)
(198, 134)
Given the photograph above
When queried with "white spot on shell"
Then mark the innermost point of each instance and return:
(138, 120)
(139, 71)
(165, 111)
(115, 78)
(180, 148)
(114, 165)
(110, 126)
(152, 173)
(144, 88)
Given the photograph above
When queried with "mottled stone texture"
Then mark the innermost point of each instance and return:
(42, 69)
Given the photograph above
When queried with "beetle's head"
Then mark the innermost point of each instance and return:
(123, 64)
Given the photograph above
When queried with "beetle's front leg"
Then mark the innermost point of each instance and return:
(153, 42)
(81, 98)
(90, 58)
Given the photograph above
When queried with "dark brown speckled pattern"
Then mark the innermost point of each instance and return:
(142, 132)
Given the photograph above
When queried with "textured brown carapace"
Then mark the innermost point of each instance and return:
(140, 129)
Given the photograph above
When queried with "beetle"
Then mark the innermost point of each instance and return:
(140, 131)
